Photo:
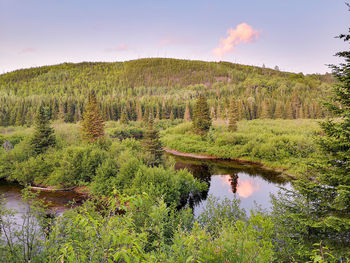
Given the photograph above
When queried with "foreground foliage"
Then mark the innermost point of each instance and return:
(138, 229)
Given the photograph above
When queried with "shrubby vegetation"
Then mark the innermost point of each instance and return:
(102, 167)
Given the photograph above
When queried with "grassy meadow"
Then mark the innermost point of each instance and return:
(281, 144)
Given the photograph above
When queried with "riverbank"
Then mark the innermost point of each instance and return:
(282, 172)
(287, 146)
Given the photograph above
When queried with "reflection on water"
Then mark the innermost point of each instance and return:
(58, 201)
(251, 184)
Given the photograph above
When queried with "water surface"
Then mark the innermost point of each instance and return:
(249, 183)
(252, 184)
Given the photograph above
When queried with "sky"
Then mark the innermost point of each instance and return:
(296, 35)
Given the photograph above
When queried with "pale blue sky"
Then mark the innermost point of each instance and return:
(296, 35)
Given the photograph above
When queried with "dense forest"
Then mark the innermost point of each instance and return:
(167, 88)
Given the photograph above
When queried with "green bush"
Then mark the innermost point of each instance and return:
(77, 165)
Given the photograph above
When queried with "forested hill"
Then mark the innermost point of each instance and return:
(161, 86)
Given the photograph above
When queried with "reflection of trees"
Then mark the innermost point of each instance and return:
(234, 182)
(202, 172)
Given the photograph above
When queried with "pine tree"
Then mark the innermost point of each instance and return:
(157, 112)
(44, 135)
(201, 116)
(279, 111)
(61, 112)
(92, 126)
(164, 113)
(172, 117)
(318, 206)
(265, 111)
(232, 124)
(146, 116)
(152, 144)
(77, 114)
(139, 112)
(124, 117)
(288, 110)
(335, 172)
(187, 115)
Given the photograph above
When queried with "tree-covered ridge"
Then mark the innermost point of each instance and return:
(160, 85)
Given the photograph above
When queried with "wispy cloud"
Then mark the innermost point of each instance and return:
(243, 33)
(28, 50)
(121, 47)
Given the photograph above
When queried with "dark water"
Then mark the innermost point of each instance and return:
(249, 183)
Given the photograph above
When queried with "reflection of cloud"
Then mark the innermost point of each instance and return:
(225, 179)
(243, 33)
(28, 50)
(121, 47)
(246, 188)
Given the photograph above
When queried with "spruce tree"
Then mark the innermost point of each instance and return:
(265, 110)
(232, 125)
(61, 112)
(44, 135)
(138, 112)
(92, 126)
(187, 115)
(124, 117)
(318, 206)
(201, 116)
(279, 111)
(172, 117)
(335, 172)
(152, 144)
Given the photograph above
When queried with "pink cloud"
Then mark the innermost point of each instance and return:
(164, 42)
(121, 47)
(28, 50)
(243, 33)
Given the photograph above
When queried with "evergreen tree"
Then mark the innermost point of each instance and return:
(61, 112)
(318, 206)
(232, 125)
(146, 116)
(172, 117)
(164, 113)
(335, 172)
(152, 144)
(44, 135)
(265, 111)
(201, 116)
(139, 112)
(124, 117)
(157, 112)
(92, 126)
(77, 114)
(187, 115)
(279, 111)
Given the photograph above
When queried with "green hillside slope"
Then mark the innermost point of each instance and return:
(161, 86)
